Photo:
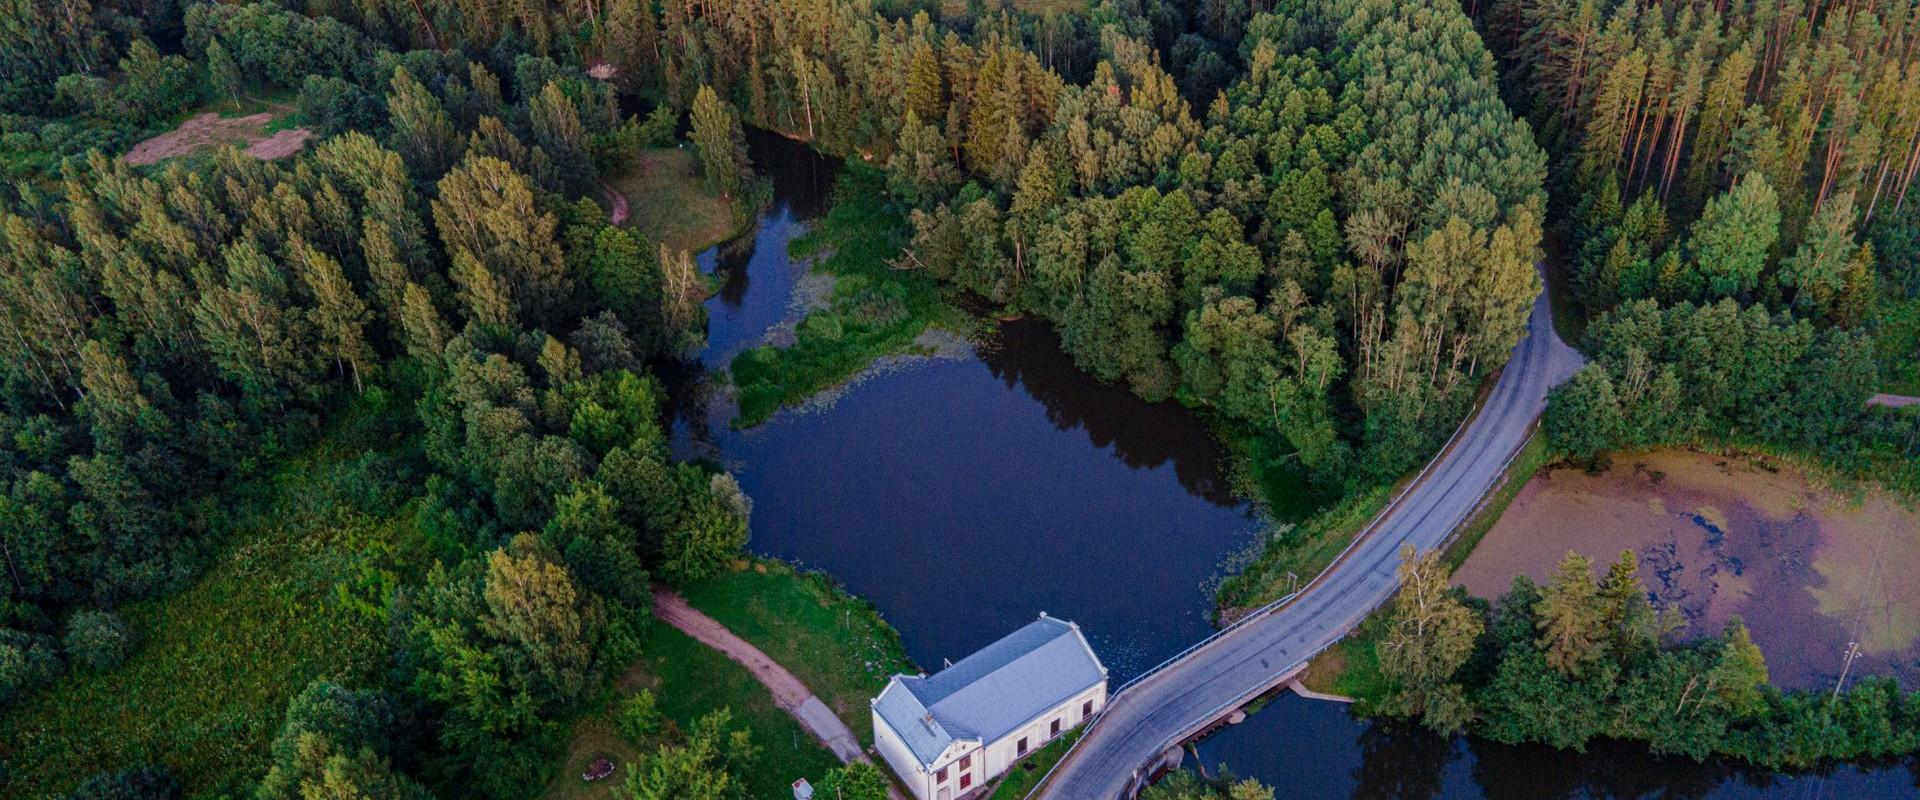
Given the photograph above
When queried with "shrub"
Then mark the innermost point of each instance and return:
(639, 717)
(100, 640)
(27, 662)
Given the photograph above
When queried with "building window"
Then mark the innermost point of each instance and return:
(941, 776)
(1020, 747)
(966, 781)
(966, 762)
(1054, 729)
(1086, 709)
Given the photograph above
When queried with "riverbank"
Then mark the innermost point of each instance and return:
(877, 307)
(834, 646)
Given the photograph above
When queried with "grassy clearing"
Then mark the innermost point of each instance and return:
(1532, 458)
(875, 310)
(287, 600)
(1024, 776)
(691, 680)
(835, 643)
(669, 204)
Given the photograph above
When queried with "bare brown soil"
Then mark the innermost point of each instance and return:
(212, 130)
(1808, 570)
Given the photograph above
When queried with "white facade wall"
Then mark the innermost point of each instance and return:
(899, 757)
(997, 757)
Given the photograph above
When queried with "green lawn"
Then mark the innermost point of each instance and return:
(277, 607)
(833, 642)
(875, 310)
(1351, 668)
(669, 204)
(690, 680)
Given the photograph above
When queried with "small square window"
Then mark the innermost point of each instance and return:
(1086, 709)
(966, 762)
(1020, 747)
(1053, 729)
(941, 776)
(966, 781)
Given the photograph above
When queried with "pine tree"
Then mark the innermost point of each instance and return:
(1570, 617)
(1730, 243)
(924, 87)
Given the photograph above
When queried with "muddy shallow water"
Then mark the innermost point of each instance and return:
(967, 493)
(1808, 571)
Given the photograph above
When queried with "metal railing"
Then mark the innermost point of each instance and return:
(1262, 611)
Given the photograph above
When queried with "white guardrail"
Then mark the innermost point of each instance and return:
(1269, 608)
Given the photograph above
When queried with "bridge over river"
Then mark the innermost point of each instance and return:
(1192, 692)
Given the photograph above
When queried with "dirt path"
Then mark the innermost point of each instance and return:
(789, 693)
(1893, 400)
(619, 203)
(211, 129)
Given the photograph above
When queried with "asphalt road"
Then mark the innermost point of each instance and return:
(1177, 702)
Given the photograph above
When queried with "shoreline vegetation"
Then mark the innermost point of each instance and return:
(879, 306)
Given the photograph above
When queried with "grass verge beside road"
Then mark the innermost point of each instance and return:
(1027, 772)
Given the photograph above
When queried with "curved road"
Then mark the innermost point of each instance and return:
(1169, 706)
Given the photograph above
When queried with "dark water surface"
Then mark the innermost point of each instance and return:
(964, 496)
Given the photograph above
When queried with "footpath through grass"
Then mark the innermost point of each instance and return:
(876, 310)
(834, 642)
(690, 680)
(280, 605)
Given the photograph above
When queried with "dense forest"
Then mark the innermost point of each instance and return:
(1287, 248)
(1243, 211)
(1315, 220)
(1734, 181)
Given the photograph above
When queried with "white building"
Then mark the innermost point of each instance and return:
(948, 734)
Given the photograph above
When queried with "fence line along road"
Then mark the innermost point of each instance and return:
(1176, 700)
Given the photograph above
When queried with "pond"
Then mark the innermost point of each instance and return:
(965, 494)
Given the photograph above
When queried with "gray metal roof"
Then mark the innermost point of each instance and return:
(992, 692)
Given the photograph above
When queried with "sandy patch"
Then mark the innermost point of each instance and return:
(212, 130)
(1807, 570)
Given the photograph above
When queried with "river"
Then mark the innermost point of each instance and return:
(964, 495)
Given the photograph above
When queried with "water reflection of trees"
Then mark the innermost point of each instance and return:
(1401, 763)
(1027, 354)
(802, 178)
(1607, 770)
